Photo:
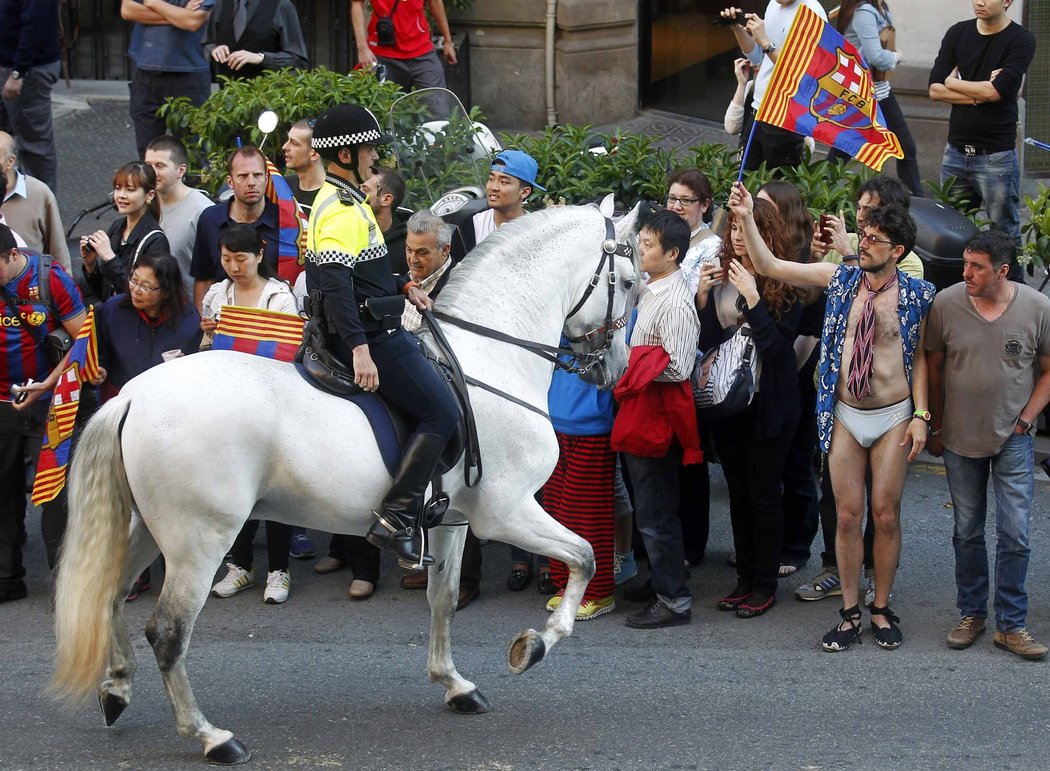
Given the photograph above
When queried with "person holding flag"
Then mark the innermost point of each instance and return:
(30, 313)
(762, 40)
(872, 411)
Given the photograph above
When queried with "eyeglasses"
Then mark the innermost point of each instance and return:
(136, 286)
(674, 200)
(873, 240)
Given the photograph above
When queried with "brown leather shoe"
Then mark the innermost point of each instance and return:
(328, 565)
(966, 633)
(415, 579)
(360, 590)
(1020, 643)
(467, 596)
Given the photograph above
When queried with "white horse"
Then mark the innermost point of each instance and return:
(192, 449)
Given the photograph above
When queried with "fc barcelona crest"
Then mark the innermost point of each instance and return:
(844, 96)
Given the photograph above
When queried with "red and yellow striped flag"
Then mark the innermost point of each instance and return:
(260, 332)
(81, 366)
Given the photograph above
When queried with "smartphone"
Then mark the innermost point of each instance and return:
(20, 392)
(825, 222)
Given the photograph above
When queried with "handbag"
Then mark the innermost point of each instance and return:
(724, 377)
(385, 35)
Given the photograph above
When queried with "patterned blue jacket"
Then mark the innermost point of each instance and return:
(916, 296)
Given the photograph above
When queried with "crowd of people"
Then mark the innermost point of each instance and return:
(810, 450)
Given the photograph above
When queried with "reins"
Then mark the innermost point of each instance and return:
(576, 364)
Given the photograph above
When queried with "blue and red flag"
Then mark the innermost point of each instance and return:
(271, 334)
(81, 366)
(821, 88)
(291, 223)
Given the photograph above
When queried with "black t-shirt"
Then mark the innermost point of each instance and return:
(991, 126)
(304, 197)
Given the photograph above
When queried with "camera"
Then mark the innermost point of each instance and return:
(385, 32)
(729, 21)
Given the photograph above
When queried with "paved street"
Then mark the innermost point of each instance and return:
(323, 683)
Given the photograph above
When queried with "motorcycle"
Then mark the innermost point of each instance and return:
(443, 153)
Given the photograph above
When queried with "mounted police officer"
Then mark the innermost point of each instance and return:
(360, 304)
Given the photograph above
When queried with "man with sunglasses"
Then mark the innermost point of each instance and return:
(875, 415)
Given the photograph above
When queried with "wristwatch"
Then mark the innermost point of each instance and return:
(923, 415)
(16, 75)
(1028, 428)
(769, 48)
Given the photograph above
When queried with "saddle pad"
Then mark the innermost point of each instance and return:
(378, 418)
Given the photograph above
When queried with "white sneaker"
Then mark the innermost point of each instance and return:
(237, 580)
(869, 585)
(278, 582)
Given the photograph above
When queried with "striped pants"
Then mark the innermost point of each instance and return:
(579, 495)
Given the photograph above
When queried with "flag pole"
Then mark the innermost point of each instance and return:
(747, 149)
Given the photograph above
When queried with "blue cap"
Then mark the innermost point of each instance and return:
(520, 164)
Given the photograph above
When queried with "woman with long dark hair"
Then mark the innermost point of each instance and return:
(799, 503)
(868, 25)
(753, 444)
(109, 255)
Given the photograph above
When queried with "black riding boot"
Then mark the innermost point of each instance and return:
(396, 526)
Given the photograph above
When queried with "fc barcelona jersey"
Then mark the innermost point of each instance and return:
(21, 356)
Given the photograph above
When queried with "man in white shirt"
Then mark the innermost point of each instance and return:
(180, 205)
(760, 39)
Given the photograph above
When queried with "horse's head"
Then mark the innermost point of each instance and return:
(595, 325)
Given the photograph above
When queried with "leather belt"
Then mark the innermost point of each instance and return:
(970, 151)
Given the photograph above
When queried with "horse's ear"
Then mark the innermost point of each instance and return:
(625, 225)
(607, 206)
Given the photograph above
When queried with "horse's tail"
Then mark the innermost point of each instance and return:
(92, 555)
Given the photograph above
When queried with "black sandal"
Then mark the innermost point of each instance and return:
(839, 639)
(889, 638)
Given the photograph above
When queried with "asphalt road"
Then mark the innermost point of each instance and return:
(324, 683)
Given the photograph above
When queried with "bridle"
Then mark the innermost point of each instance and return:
(600, 338)
(563, 358)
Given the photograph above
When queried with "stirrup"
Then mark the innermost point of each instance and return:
(888, 638)
(389, 532)
(840, 639)
(434, 511)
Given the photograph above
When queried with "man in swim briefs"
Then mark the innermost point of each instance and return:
(875, 415)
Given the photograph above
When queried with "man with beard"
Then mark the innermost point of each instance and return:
(876, 416)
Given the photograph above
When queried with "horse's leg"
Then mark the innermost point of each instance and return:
(446, 546)
(186, 586)
(114, 692)
(531, 528)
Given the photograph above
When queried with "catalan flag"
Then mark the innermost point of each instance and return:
(822, 88)
(260, 332)
(291, 223)
(81, 366)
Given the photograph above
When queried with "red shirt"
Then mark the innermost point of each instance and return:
(411, 30)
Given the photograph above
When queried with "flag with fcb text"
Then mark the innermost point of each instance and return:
(821, 88)
(291, 223)
(81, 367)
(271, 334)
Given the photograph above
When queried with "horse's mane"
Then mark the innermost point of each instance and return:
(518, 238)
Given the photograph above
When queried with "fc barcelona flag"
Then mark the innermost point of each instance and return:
(291, 221)
(260, 332)
(81, 366)
(821, 88)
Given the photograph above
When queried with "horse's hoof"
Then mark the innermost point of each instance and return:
(472, 703)
(229, 753)
(113, 706)
(527, 648)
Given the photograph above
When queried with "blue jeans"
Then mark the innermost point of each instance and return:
(1012, 471)
(990, 181)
